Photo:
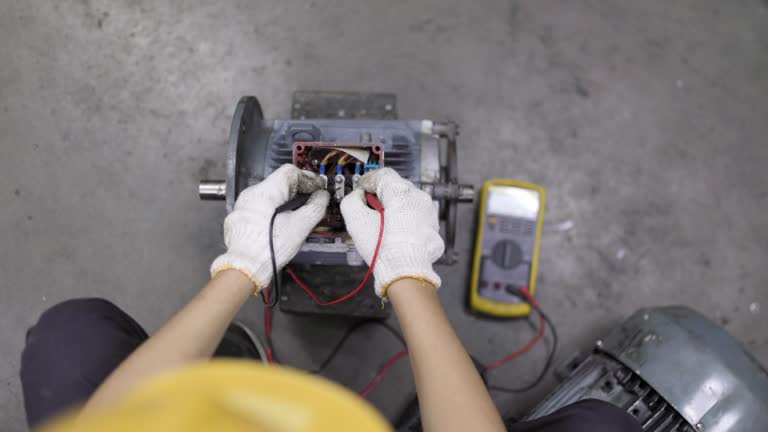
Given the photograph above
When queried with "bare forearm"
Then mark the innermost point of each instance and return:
(192, 334)
(452, 395)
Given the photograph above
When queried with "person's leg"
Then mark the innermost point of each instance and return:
(70, 351)
(589, 415)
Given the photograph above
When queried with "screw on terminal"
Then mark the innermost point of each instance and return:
(338, 187)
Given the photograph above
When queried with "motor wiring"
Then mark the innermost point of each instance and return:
(328, 157)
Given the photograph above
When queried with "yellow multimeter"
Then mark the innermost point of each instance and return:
(506, 247)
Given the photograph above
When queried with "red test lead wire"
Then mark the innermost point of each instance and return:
(268, 327)
(539, 336)
(382, 372)
(376, 204)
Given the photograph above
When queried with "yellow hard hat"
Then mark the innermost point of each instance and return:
(233, 395)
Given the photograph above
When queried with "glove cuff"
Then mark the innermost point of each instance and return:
(259, 274)
(393, 266)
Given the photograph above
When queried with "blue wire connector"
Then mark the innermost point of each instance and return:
(358, 168)
(371, 166)
(339, 167)
(322, 169)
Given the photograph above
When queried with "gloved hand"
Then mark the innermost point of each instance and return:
(246, 229)
(411, 240)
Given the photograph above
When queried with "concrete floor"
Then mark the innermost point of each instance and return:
(646, 121)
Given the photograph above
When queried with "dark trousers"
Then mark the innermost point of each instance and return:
(73, 347)
(589, 415)
(76, 344)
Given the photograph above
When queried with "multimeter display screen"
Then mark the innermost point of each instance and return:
(513, 201)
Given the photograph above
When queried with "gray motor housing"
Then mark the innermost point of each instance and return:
(409, 146)
(673, 370)
(423, 151)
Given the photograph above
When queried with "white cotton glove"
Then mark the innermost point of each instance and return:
(246, 229)
(411, 240)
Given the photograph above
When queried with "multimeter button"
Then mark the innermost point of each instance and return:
(483, 284)
(507, 254)
(497, 285)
